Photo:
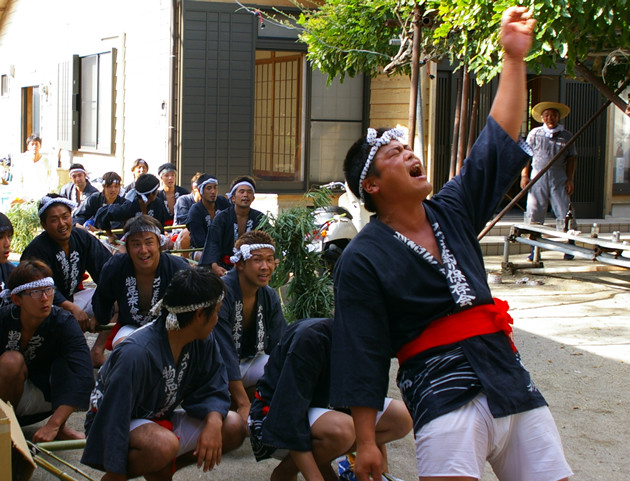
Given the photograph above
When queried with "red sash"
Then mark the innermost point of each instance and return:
(484, 319)
(112, 335)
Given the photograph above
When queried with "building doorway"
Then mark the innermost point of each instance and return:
(30, 113)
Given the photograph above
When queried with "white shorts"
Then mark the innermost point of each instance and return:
(315, 413)
(32, 401)
(83, 299)
(520, 447)
(125, 331)
(186, 428)
(253, 369)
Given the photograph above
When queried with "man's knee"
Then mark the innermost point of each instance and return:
(13, 366)
(154, 439)
(395, 422)
(334, 427)
(233, 432)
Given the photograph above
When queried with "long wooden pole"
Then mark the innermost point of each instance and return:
(415, 75)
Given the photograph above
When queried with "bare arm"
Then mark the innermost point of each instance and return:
(50, 430)
(210, 442)
(305, 462)
(525, 173)
(516, 37)
(369, 461)
(240, 398)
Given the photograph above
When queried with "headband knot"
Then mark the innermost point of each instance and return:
(245, 251)
(376, 143)
(133, 193)
(172, 324)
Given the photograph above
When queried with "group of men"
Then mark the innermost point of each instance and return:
(202, 357)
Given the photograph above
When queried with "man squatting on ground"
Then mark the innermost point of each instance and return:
(250, 320)
(69, 252)
(291, 419)
(45, 367)
(230, 224)
(134, 281)
(414, 276)
(133, 427)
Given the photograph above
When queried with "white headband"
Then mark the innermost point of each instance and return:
(45, 282)
(236, 186)
(207, 182)
(376, 143)
(144, 228)
(72, 171)
(172, 324)
(48, 201)
(131, 195)
(245, 251)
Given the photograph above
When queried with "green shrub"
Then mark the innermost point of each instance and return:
(26, 224)
(306, 288)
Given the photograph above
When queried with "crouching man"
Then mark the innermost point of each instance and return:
(291, 418)
(133, 428)
(45, 367)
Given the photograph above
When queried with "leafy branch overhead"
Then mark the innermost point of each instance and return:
(347, 37)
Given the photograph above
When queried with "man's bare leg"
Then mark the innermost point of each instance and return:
(13, 374)
(233, 434)
(152, 450)
(98, 349)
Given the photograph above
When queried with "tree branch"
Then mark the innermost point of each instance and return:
(590, 77)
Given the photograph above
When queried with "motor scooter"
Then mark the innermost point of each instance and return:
(335, 225)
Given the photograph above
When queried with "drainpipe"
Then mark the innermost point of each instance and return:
(172, 147)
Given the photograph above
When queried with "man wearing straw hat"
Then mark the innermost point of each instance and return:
(556, 185)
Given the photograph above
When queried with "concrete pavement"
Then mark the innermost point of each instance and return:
(573, 332)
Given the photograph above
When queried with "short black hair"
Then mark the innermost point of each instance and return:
(5, 225)
(76, 166)
(52, 195)
(353, 166)
(138, 223)
(146, 183)
(28, 270)
(254, 237)
(243, 178)
(193, 286)
(110, 178)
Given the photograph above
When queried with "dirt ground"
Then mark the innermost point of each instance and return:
(573, 331)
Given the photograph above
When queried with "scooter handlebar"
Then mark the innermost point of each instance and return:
(334, 185)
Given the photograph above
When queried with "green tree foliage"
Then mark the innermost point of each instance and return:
(306, 286)
(26, 224)
(340, 34)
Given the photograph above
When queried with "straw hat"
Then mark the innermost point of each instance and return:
(540, 107)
